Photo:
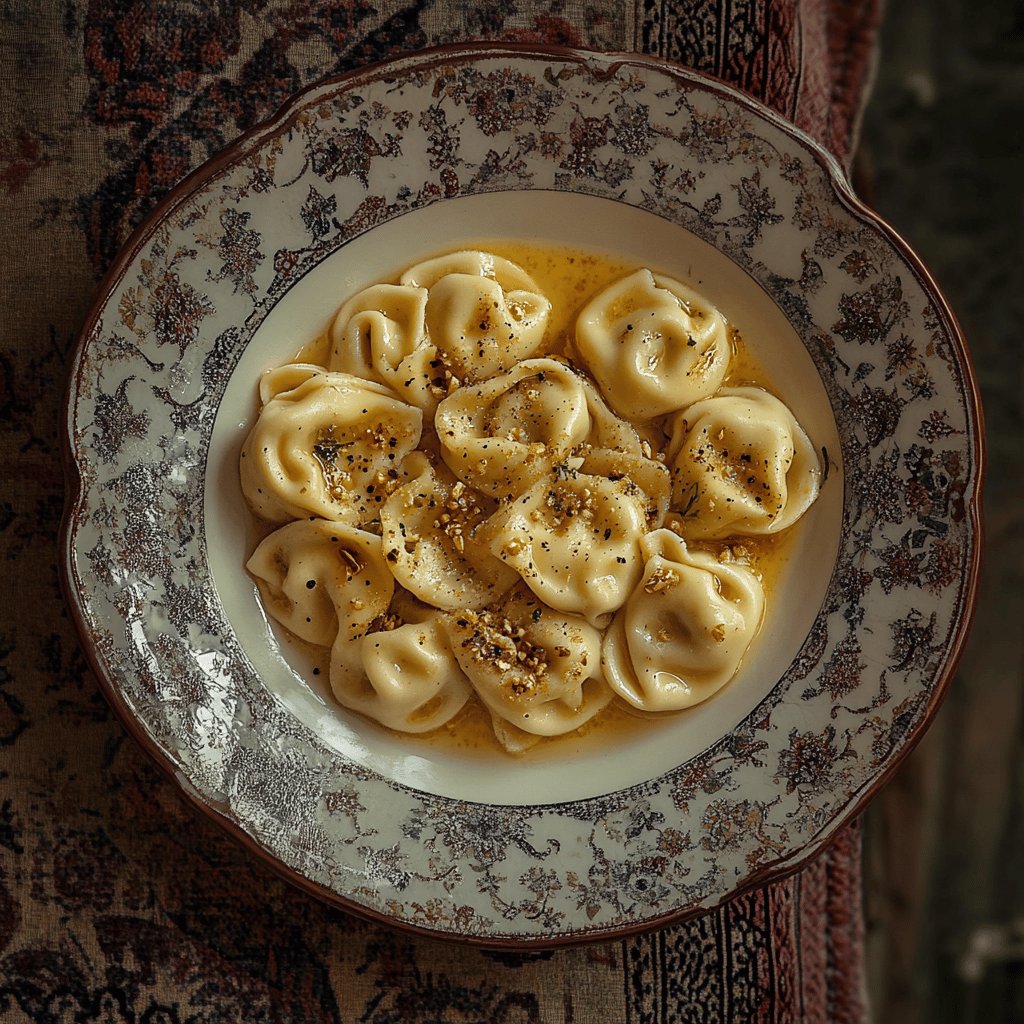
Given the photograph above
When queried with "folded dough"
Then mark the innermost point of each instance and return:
(684, 629)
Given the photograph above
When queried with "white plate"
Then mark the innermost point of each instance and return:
(351, 182)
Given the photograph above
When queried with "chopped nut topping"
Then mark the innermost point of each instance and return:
(512, 548)
(460, 514)
(444, 383)
(563, 504)
(661, 579)
(735, 553)
(384, 623)
(494, 639)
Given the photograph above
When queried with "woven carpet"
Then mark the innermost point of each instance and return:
(118, 902)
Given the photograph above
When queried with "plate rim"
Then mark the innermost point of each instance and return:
(604, 64)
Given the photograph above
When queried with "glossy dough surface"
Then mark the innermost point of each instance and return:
(742, 464)
(326, 447)
(684, 628)
(483, 313)
(465, 505)
(653, 345)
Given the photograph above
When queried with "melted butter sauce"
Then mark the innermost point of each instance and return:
(569, 278)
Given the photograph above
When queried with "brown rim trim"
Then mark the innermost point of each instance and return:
(608, 65)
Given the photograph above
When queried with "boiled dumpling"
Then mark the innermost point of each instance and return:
(574, 540)
(653, 345)
(503, 434)
(380, 334)
(483, 313)
(317, 578)
(429, 527)
(402, 673)
(330, 446)
(684, 629)
(741, 464)
(534, 668)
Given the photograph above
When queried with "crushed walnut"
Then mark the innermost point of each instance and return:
(495, 640)
(564, 504)
(385, 622)
(734, 553)
(459, 514)
(444, 382)
(661, 579)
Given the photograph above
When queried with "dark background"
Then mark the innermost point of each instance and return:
(942, 160)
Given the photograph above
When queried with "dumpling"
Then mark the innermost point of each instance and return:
(380, 334)
(574, 540)
(653, 345)
(741, 464)
(483, 313)
(535, 669)
(330, 446)
(508, 431)
(317, 578)
(474, 262)
(402, 674)
(429, 528)
(481, 330)
(684, 629)
(644, 477)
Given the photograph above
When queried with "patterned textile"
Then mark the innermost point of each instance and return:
(118, 902)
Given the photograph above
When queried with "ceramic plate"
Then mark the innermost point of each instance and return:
(354, 180)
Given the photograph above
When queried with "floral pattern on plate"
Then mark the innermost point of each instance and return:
(205, 271)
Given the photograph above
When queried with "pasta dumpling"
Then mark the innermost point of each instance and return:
(429, 529)
(380, 334)
(741, 464)
(474, 262)
(321, 579)
(574, 540)
(481, 330)
(653, 345)
(483, 313)
(533, 668)
(402, 674)
(285, 378)
(329, 446)
(684, 629)
(506, 432)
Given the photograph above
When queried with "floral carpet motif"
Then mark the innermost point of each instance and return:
(118, 902)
